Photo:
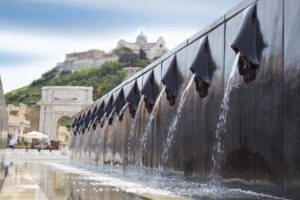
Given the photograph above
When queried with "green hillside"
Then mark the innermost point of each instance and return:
(101, 79)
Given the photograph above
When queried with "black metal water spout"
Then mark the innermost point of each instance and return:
(203, 68)
(99, 114)
(86, 121)
(74, 125)
(108, 111)
(133, 98)
(93, 117)
(150, 90)
(171, 80)
(246, 43)
(119, 103)
(81, 122)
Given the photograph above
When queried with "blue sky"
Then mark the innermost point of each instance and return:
(35, 34)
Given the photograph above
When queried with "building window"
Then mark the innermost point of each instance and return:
(160, 45)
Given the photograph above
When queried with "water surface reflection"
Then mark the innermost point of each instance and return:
(69, 181)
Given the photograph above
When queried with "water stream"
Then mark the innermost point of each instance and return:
(108, 149)
(94, 144)
(173, 126)
(133, 127)
(124, 108)
(221, 127)
(99, 148)
(150, 119)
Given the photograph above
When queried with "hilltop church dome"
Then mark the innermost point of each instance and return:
(141, 38)
(152, 49)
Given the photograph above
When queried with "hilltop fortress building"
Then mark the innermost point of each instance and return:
(96, 58)
(152, 50)
(79, 60)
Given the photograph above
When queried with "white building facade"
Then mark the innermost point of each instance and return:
(152, 50)
(80, 60)
(59, 101)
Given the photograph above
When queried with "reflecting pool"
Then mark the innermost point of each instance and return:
(60, 181)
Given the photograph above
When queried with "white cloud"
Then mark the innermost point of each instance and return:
(180, 7)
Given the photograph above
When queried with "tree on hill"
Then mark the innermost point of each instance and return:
(127, 57)
(130, 59)
(142, 55)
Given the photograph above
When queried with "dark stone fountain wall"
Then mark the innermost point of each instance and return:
(3, 133)
(253, 143)
(261, 146)
(291, 99)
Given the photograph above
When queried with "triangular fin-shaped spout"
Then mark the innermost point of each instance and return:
(100, 112)
(74, 125)
(94, 118)
(80, 123)
(150, 91)
(246, 43)
(86, 121)
(202, 68)
(119, 103)
(171, 80)
(133, 98)
(108, 110)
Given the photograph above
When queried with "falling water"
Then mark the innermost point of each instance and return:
(173, 126)
(150, 119)
(88, 147)
(133, 126)
(99, 148)
(221, 126)
(72, 145)
(118, 158)
(95, 136)
(85, 146)
(108, 150)
(111, 114)
(124, 108)
(77, 148)
(134, 121)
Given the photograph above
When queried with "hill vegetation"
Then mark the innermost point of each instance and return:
(102, 79)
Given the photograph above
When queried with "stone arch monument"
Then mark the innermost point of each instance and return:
(59, 101)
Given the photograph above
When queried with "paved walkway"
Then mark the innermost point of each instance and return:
(20, 185)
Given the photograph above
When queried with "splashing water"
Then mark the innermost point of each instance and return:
(111, 114)
(134, 121)
(133, 126)
(77, 148)
(94, 146)
(150, 119)
(136, 181)
(108, 151)
(73, 145)
(124, 108)
(221, 126)
(87, 145)
(99, 148)
(173, 126)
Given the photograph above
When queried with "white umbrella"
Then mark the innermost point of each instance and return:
(35, 135)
